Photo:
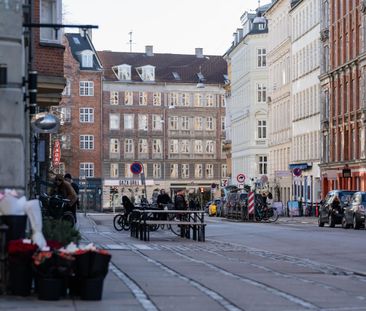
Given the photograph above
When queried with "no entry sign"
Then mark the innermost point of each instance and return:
(240, 178)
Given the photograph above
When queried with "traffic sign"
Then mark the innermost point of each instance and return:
(136, 168)
(240, 178)
(297, 171)
(264, 179)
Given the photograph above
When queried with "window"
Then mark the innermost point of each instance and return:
(128, 98)
(185, 123)
(114, 170)
(114, 146)
(156, 170)
(157, 122)
(50, 13)
(224, 170)
(198, 148)
(59, 169)
(210, 123)
(209, 100)
(197, 100)
(222, 100)
(185, 100)
(262, 129)
(174, 146)
(128, 120)
(128, 172)
(209, 146)
(157, 99)
(66, 141)
(173, 123)
(261, 93)
(262, 165)
(86, 88)
(86, 115)
(261, 58)
(86, 142)
(67, 89)
(142, 98)
(142, 122)
(209, 171)
(223, 127)
(128, 145)
(185, 170)
(146, 73)
(173, 170)
(124, 72)
(87, 59)
(185, 146)
(143, 147)
(156, 147)
(114, 121)
(198, 123)
(173, 99)
(198, 171)
(64, 114)
(113, 100)
(86, 169)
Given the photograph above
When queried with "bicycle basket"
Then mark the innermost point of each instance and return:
(55, 208)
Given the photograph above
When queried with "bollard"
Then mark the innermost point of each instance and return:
(316, 210)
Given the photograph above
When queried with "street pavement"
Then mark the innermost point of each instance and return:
(119, 292)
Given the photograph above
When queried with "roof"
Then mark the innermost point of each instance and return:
(79, 43)
(186, 67)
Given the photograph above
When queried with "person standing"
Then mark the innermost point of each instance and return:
(163, 199)
(69, 179)
(180, 201)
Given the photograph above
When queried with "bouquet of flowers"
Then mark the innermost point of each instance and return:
(53, 264)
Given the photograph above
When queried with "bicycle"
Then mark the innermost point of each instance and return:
(121, 222)
(266, 213)
(56, 207)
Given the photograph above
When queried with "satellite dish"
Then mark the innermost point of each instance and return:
(45, 123)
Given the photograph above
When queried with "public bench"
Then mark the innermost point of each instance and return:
(190, 223)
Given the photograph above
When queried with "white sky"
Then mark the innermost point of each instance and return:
(171, 26)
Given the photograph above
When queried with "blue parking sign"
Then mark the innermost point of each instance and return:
(136, 168)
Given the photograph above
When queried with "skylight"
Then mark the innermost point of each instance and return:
(76, 40)
(176, 75)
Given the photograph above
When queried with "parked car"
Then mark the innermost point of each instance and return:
(354, 212)
(332, 207)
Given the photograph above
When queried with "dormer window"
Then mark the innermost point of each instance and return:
(123, 72)
(87, 59)
(146, 73)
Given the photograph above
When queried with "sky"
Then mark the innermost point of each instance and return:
(170, 26)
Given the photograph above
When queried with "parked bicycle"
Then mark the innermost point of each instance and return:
(265, 212)
(56, 207)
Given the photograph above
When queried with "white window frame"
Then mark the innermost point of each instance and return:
(143, 146)
(173, 99)
(198, 146)
(142, 98)
(114, 170)
(261, 93)
(50, 15)
(157, 146)
(210, 146)
(86, 169)
(128, 100)
(86, 88)
(128, 173)
(198, 123)
(261, 129)
(185, 171)
(157, 170)
(128, 121)
(124, 72)
(114, 121)
(174, 170)
(224, 171)
(66, 141)
(114, 146)
(86, 115)
(210, 100)
(157, 122)
(261, 58)
(184, 146)
(185, 99)
(209, 170)
(67, 89)
(128, 145)
(198, 171)
(210, 123)
(184, 123)
(263, 165)
(198, 100)
(87, 59)
(174, 146)
(64, 114)
(86, 142)
(173, 123)
(114, 98)
(143, 123)
(157, 99)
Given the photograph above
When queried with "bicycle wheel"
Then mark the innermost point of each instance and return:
(273, 216)
(126, 223)
(118, 222)
(68, 217)
(175, 229)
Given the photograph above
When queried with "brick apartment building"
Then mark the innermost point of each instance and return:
(81, 115)
(166, 111)
(343, 163)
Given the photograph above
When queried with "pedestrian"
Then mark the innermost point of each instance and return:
(127, 204)
(163, 199)
(180, 201)
(64, 189)
(68, 178)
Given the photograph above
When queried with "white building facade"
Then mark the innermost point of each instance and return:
(279, 99)
(305, 100)
(247, 107)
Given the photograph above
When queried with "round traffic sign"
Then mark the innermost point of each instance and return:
(297, 171)
(136, 168)
(240, 178)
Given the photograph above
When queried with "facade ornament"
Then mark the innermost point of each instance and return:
(363, 6)
(324, 34)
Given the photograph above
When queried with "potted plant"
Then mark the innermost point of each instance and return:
(60, 231)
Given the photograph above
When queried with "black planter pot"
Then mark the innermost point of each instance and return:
(91, 288)
(99, 265)
(16, 226)
(50, 289)
(20, 278)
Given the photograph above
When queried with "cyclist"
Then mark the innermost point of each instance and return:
(64, 189)
(162, 201)
(127, 204)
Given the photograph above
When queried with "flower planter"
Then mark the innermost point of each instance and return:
(20, 279)
(91, 288)
(50, 288)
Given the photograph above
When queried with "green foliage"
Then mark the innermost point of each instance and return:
(60, 231)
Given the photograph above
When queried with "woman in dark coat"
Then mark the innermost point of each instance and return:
(127, 204)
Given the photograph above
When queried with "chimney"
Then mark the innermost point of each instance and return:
(199, 52)
(149, 50)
